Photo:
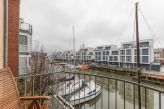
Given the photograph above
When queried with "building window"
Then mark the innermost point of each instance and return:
(107, 52)
(144, 44)
(115, 58)
(122, 52)
(128, 59)
(99, 58)
(90, 53)
(111, 58)
(145, 59)
(145, 52)
(128, 52)
(22, 62)
(135, 59)
(127, 45)
(104, 58)
(23, 48)
(107, 48)
(23, 39)
(122, 58)
(114, 52)
(104, 53)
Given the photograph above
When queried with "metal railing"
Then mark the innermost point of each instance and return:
(115, 93)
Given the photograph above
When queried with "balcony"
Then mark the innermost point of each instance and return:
(115, 93)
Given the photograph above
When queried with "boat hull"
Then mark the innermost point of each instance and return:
(85, 99)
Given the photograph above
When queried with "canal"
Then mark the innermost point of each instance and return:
(112, 96)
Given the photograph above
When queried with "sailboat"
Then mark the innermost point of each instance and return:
(69, 87)
(89, 92)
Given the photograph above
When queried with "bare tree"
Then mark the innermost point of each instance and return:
(46, 82)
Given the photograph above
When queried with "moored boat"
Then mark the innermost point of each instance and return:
(70, 87)
(84, 67)
(89, 92)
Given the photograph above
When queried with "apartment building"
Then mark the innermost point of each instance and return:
(59, 56)
(68, 55)
(103, 54)
(128, 54)
(110, 55)
(85, 55)
(159, 55)
(125, 56)
(114, 57)
(25, 46)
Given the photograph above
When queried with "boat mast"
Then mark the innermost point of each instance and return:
(74, 46)
(138, 54)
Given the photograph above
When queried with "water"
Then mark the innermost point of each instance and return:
(112, 97)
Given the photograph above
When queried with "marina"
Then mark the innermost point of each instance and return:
(113, 94)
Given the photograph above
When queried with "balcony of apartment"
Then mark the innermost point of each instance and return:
(25, 27)
(114, 93)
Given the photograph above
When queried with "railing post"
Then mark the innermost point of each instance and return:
(108, 95)
(145, 98)
(25, 84)
(134, 96)
(116, 96)
(159, 100)
(33, 82)
(124, 95)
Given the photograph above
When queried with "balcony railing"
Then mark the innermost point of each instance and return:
(115, 93)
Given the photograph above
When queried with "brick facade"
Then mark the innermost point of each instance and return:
(13, 35)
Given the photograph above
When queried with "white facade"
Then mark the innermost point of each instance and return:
(125, 56)
(128, 52)
(111, 55)
(68, 55)
(85, 54)
(102, 53)
(25, 46)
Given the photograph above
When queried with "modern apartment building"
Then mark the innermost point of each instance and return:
(159, 55)
(110, 55)
(25, 46)
(103, 54)
(85, 55)
(114, 57)
(128, 53)
(125, 56)
(68, 56)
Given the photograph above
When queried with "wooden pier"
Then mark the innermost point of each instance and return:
(146, 76)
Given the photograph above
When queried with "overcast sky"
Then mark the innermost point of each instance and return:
(96, 22)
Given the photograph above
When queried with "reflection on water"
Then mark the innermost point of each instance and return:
(112, 97)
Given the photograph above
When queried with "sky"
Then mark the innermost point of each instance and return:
(96, 22)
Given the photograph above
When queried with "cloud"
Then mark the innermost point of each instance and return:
(96, 22)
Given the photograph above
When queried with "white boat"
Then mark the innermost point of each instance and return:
(77, 67)
(89, 92)
(70, 87)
